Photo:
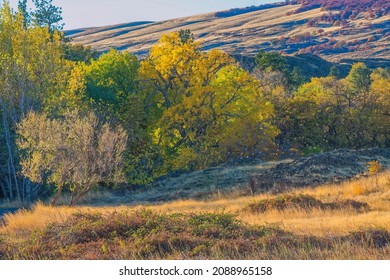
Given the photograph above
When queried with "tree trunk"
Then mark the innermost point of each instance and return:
(57, 196)
(76, 199)
(6, 138)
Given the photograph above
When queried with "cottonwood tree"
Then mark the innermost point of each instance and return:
(75, 152)
(31, 71)
(202, 107)
(380, 105)
(109, 86)
(358, 82)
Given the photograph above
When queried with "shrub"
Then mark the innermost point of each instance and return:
(378, 238)
(304, 202)
(284, 202)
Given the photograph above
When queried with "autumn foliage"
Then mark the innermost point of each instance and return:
(117, 122)
(378, 7)
(205, 109)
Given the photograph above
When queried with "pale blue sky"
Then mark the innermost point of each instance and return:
(87, 13)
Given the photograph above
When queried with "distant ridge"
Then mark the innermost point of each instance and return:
(336, 30)
(240, 11)
(96, 29)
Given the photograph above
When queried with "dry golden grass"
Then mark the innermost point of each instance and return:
(316, 222)
(39, 216)
(320, 223)
(294, 233)
(243, 33)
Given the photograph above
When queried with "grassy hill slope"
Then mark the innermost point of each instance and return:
(280, 27)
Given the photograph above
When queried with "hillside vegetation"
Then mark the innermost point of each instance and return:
(373, 8)
(193, 154)
(339, 31)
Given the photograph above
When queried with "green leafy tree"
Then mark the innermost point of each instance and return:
(295, 78)
(359, 78)
(80, 53)
(186, 35)
(269, 62)
(109, 86)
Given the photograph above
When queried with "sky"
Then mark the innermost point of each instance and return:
(90, 13)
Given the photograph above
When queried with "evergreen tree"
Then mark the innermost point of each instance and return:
(334, 72)
(47, 15)
(271, 61)
(186, 35)
(22, 8)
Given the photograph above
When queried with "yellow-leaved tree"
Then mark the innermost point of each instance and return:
(380, 105)
(32, 73)
(202, 107)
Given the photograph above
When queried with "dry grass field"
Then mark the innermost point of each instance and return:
(245, 34)
(346, 221)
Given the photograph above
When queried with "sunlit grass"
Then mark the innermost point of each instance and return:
(331, 229)
(313, 222)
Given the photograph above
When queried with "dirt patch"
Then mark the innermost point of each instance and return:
(331, 167)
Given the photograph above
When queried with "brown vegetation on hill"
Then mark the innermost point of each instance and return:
(348, 7)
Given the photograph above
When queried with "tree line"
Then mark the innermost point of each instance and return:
(72, 120)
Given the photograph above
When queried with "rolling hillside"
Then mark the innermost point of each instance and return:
(337, 33)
